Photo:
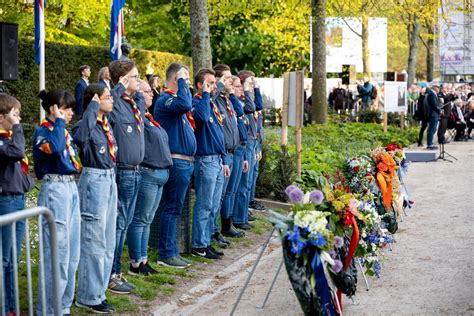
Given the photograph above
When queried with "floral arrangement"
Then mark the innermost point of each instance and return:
(344, 222)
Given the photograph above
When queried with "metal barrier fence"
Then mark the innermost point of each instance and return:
(12, 219)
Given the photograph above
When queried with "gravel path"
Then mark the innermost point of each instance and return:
(429, 271)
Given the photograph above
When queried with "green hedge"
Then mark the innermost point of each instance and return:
(62, 63)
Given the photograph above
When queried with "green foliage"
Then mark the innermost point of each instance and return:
(62, 63)
(324, 148)
(269, 39)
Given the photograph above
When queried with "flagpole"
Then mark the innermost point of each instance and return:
(42, 81)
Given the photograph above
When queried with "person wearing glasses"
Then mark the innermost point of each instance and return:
(126, 120)
(98, 198)
(154, 173)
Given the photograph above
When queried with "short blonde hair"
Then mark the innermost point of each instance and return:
(7, 103)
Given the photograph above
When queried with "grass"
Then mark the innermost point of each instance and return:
(148, 289)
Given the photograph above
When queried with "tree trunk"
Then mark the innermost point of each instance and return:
(200, 39)
(430, 54)
(413, 42)
(365, 45)
(319, 109)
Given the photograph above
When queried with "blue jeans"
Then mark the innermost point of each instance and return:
(258, 149)
(62, 199)
(174, 194)
(10, 204)
(242, 199)
(433, 125)
(221, 212)
(228, 200)
(127, 186)
(98, 196)
(148, 201)
(208, 182)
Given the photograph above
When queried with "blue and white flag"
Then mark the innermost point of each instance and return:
(116, 28)
(39, 28)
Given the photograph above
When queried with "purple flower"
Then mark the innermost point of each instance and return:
(289, 189)
(332, 253)
(296, 195)
(316, 197)
(338, 241)
(377, 268)
(337, 266)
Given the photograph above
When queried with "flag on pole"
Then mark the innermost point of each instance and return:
(39, 29)
(116, 28)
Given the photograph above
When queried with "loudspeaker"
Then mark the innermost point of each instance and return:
(348, 74)
(8, 51)
(389, 76)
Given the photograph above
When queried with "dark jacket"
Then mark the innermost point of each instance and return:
(130, 142)
(50, 153)
(90, 137)
(170, 112)
(81, 86)
(12, 150)
(431, 105)
(231, 130)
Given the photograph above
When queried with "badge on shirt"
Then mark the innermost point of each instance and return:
(184, 121)
(65, 153)
(211, 120)
(129, 129)
(102, 150)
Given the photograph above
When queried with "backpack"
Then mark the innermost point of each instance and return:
(373, 93)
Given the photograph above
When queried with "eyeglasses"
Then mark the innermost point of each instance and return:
(148, 91)
(136, 77)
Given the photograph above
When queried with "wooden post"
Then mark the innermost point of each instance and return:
(299, 123)
(402, 121)
(385, 122)
(284, 109)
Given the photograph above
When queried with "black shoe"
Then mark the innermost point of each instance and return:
(204, 253)
(257, 206)
(140, 270)
(233, 232)
(432, 147)
(251, 218)
(215, 251)
(149, 268)
(98, 309)
(244, 226)
(106, 304)
(219, 239)
(420, 145)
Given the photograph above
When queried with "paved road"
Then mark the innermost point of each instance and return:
(429, 271)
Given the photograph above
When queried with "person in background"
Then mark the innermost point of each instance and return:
(98, 198)
(154, 82)
(103, 77)
(154, 173)
(56, 164)
(469, 117)
(173, 112)
(365, 93)
(126, 119)
(420, 115)
(81, 85)
(15, 182)
(460, 123)
(432, 111)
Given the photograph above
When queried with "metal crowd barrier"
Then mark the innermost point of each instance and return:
(12, 218)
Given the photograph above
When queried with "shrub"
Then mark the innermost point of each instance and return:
(62, 63)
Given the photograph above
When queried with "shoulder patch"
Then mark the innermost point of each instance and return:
(169, 101)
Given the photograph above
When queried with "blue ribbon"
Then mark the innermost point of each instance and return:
(322, 287)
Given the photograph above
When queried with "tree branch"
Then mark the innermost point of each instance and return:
(358, 34)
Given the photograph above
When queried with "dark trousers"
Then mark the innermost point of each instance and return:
(460, 129)
(424, 125)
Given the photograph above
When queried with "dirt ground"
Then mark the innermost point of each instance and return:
(429, 271)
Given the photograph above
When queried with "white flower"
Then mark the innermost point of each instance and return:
(364, 235)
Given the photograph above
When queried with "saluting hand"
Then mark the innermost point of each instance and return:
(206, 87)
(13, 117)
(245, 166)
(57, 113)
(96, 98)
(124, 80)
(247, 83)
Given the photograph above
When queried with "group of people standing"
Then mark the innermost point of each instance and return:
(128, 157)
(456, 105)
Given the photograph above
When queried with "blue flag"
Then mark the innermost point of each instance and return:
(116, 28)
